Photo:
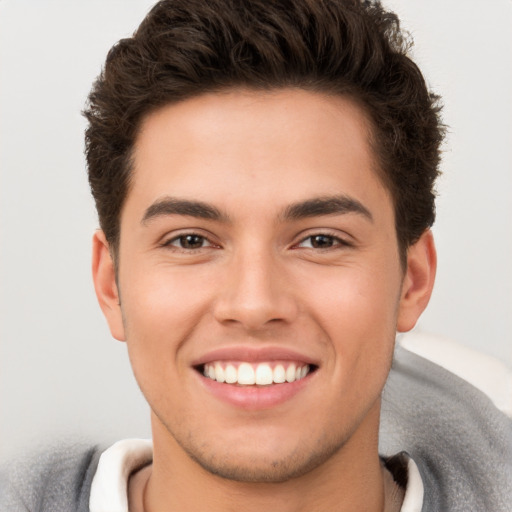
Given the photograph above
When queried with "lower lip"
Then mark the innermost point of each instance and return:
(255, 397)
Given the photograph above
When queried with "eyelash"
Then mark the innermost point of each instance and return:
(181, 237)
(335, 241)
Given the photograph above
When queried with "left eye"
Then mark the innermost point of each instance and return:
(189, 241)
(321, 242)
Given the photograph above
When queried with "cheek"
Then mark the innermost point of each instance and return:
(162, 297)
(358, 311)
(160, 311)
(357, 300)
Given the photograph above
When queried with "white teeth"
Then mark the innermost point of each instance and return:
(219, 373)
(279, 374)
(246, 375)
(231, 374)
(264, 375)
(290, 373)
(261, 374)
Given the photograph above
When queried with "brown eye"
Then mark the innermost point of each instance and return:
(189, 241)
(322, 241)
(319, 242)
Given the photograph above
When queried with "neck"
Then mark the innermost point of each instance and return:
(352, 479)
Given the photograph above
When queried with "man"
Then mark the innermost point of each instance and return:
(263, 174)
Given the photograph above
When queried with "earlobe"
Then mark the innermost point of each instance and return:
(418, 281)
(104, 277)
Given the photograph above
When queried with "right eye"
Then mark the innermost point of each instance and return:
(189, 242)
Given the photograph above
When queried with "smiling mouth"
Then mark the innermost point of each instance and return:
(256, 374)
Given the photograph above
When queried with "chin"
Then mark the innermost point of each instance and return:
(250, 465)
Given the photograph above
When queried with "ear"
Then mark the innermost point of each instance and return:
(104, 277)
(418, 281)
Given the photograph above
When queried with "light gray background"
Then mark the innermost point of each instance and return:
(61, 374)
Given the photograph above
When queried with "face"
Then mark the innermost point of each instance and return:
(259, 281)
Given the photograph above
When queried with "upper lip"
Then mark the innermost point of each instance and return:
(254, 355)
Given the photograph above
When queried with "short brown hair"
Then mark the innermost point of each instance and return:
(184, 48)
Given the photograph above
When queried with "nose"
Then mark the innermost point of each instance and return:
(256, 293)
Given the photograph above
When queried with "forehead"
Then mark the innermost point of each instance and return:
(272, 146)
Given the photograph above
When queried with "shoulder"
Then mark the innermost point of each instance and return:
(55, 479)
(461, 442)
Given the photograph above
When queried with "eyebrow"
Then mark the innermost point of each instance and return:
(331, 205)
(314, 207)
(174, 206)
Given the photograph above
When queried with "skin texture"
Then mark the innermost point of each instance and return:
(259, 278)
